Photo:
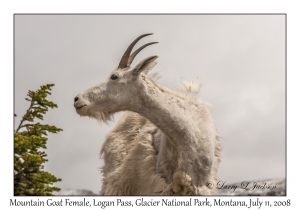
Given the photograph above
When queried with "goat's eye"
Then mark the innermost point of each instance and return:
(114, 77)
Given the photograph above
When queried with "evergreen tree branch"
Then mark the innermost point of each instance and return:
(22, 120)
(29, 157)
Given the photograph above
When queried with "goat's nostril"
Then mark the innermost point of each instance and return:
(75, 99)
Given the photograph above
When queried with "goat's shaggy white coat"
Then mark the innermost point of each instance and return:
(166, 142)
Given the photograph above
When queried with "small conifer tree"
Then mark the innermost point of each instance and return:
(30, 140)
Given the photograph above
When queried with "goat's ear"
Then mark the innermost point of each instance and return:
(146, 64)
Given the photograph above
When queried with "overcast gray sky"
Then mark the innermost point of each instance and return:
(239, 59)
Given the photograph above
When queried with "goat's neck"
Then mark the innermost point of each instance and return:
(168, 110)
(186, 146)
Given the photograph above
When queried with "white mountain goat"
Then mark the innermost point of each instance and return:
(165, 144)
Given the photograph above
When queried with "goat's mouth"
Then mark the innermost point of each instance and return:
(80, 106)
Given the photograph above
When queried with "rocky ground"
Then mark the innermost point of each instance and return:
(268, 187)
(75, 192)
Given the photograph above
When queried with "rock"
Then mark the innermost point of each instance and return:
(267, 187)
(75, 192)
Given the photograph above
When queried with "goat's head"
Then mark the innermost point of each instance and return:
(118, 92)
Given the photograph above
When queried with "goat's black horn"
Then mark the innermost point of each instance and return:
(124, 60)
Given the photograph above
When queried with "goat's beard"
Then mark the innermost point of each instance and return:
(98, 113)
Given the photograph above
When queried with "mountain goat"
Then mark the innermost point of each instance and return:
(166, 142)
